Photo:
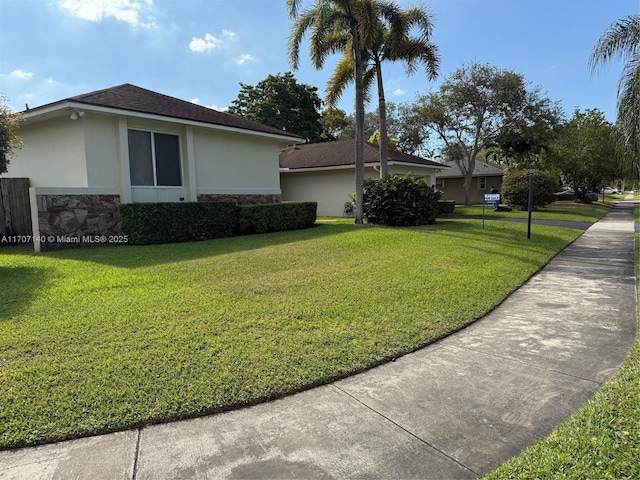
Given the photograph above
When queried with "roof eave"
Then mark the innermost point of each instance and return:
(409, 164)
(352, 166)
(58, 109)
(320, 169)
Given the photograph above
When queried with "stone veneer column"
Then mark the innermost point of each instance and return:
(79, 220)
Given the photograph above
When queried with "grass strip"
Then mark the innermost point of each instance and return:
(561, 210)
(600, 441)
(102, 339)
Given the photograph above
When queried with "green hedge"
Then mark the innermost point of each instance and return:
(149, 223)
(446, 206)
(275, 217)
(400, 201)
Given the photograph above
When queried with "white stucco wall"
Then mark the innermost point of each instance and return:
(429, 174)
(53, 154)
(331, 188)
(101, 150)
(228, 162)
(92, 152)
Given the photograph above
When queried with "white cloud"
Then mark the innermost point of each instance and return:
(242, 59)
(137, 13)
(212, 106)
(20, 75)
(398, 92)
(209, 42)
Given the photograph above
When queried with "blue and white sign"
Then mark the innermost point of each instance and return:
(491, 197)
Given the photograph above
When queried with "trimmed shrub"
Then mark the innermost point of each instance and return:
(515, 189)
(274, 217)
(446, 206)
(400, 201)
(149, 223)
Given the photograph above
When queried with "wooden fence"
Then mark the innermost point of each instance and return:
(15, 211)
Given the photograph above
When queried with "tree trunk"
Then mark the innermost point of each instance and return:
(359, 111)
(468, 179)
(382, 113)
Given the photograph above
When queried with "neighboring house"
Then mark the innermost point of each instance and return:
(325, 172)
(485, 175)
(86, 154)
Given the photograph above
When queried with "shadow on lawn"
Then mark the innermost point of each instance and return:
(18, 286)
(135, 256)
(498, 237)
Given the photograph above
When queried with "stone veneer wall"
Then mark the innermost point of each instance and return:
(240, 198)
(75, 220)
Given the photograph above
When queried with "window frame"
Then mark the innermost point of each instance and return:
(154, 159)
(482, 183)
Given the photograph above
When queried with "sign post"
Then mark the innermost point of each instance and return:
(530, 199)
(491, 198)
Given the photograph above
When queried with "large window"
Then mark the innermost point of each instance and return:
(154, 159)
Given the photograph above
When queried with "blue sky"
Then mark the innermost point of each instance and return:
(199, 50)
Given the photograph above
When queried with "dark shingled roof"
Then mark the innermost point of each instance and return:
(132, 98)
(342, 153)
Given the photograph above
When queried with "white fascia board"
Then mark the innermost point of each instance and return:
(407, 164)
(345, 167)
(322, 169)
(61, 108)
(55, 110)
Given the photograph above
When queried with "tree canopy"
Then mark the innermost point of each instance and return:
(480, 105)
(281, 102)
(375, 140)
(9, 139)
(334, 121)
(403, 125)
(585, 152)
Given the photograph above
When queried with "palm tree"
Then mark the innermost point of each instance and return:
(392, 41)
(621, 40)
(330, 23)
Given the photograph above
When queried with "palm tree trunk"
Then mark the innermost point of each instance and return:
(359, 111)
(382, 114)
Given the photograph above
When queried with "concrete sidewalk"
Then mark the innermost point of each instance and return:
(455, 409)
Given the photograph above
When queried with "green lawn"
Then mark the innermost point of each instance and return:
(600, 441)
(101, 339)
(562, 210)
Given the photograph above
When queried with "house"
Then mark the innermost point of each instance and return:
(325, 172)
(485, 175)
(86, 154)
